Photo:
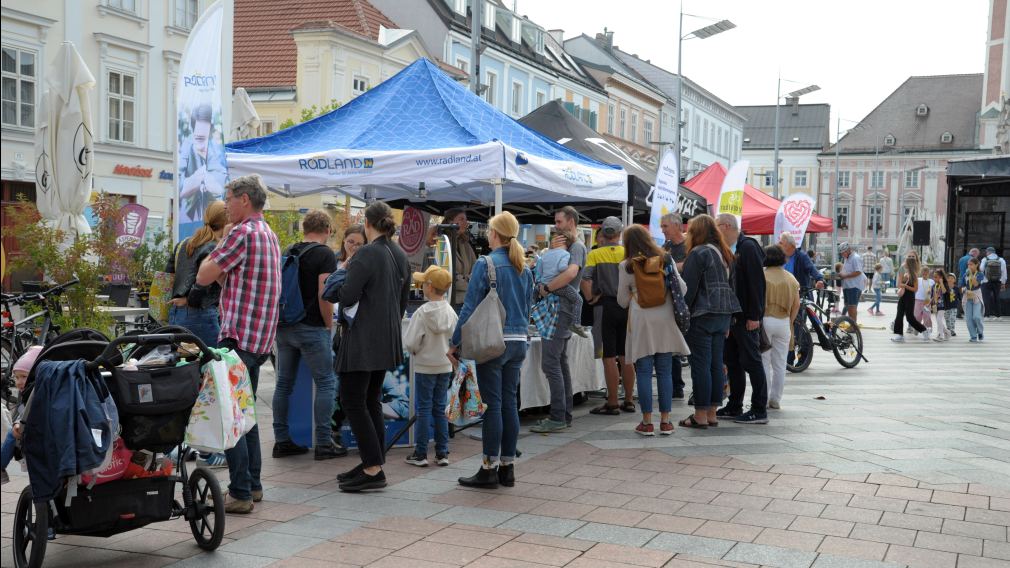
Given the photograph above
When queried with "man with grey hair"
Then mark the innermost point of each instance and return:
(798, 263)
(247, 263)
(672, 225)
(742, 354)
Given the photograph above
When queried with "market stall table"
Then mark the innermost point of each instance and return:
(587, 372)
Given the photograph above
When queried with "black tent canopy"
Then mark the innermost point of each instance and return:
(556, 123)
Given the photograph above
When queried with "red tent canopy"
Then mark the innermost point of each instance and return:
(759, 208)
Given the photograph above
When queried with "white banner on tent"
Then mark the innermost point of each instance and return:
(202, 166)
(567, 178)
(665, 193)
(794, 215)
(731, 194)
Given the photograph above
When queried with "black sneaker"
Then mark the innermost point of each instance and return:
(416, 459)
(350, 474)
(364, 482)
(727, 412)
(678, 395)
(442, 460)
(329, 452)
(289, 448)
(751, 417)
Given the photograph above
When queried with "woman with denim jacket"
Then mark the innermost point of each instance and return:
(712, 300)
(498, 378)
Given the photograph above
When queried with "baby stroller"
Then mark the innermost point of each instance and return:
(154, 404)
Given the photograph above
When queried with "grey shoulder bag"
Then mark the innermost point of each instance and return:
(484, 333)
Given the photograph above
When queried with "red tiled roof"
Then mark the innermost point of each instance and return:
(264, 51)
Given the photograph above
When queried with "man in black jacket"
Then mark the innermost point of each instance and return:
(742, 354)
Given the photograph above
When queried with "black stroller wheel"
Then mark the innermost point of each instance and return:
(207, 520)
(31, 531)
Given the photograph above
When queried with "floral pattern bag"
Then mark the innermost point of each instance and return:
(225, 409)
(465, 405)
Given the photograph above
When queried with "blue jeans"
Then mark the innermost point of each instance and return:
(498, 380)
(311, 344)
(663, 363)
(7, 451)
(203, 323)
(430, 397)
(707, 339)
(245, 460)
(973, 317)
(876, 299)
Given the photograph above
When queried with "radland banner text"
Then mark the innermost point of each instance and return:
(731, 195)
(203, 169)
(664, 194)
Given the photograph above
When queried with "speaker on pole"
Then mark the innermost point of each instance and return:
(920, 233)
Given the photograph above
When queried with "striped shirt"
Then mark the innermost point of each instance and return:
(250, 257)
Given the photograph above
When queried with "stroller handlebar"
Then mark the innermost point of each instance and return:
(111, 351)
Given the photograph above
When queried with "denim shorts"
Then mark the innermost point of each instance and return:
(851, 296)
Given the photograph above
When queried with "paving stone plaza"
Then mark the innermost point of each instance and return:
(904, 461)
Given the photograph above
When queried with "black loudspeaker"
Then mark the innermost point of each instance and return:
(920, 233)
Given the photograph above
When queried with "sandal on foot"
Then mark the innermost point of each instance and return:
(690, 422)
(628, 406)
(607, 410)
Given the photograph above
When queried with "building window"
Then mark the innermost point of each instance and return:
(121, 105)
(186, 12)
(686, 132)
(359, 85)
(768, 179)
(907, 214)
(844, 180)
(648, 132)
(843, 217)
(946, 138)
(491, 94)
(463, 65)
(876, 219)
(912, 179)
(541, 98)
(712, 147)
(610, 119)
(19, 77)
(696, 138)
(877, 180)
(124, 5)
(634, 127)
(704, 134)
(624, 116)
(718, 144)
(800, 178)
(889, 140)
(517, 98)
(265, 127)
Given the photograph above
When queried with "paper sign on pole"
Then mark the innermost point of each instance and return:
(203, 169)
(731, 195)
(664, 193)
(794, 215)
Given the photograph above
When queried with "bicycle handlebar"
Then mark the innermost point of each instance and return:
(26, 298)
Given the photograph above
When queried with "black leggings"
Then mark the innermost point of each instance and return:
(361, 397)
(906, 309)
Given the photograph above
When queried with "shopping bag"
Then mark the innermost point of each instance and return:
(225, 408)
(241, 388)
(465, 405)
(160, 296)
(114, 469)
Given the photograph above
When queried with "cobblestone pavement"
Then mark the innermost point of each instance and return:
(904, 460)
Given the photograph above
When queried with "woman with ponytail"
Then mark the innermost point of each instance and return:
(194, 307)
(498, 379)
(378, 280)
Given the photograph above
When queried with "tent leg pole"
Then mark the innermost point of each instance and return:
(497, 196)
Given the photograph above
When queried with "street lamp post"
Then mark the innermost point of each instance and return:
(701, 33)
(778, 99)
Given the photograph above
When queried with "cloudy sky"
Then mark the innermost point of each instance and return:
(857, 51)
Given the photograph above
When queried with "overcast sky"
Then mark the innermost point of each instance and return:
(857, 51)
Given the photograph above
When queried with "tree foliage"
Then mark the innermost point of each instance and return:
(311, 112)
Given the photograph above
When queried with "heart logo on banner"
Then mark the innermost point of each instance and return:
(798, 212)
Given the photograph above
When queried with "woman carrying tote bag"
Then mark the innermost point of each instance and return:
(498, 378)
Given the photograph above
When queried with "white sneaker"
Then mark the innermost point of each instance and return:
(925, 337)
(774, 404)
(898, 339)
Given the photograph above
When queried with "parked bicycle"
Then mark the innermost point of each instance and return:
(17, 336)
(840, 335)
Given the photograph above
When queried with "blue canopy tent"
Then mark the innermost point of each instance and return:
(422, 126)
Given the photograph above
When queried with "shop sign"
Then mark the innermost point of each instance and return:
(166, 175)
(132, 171)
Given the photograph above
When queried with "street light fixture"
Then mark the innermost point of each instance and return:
(778, 99)
(702, 33)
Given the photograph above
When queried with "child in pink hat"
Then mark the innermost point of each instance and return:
(22, 367)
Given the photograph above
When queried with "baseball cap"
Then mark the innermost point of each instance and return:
(612, 226)
(436, 275)
(842, 247)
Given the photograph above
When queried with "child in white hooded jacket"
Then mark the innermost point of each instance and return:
(427, 340)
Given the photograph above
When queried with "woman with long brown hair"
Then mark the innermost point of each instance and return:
(653, 336)
(908, 285)
(708, 272)
(354, 239)
(194, 307)
(498, 378)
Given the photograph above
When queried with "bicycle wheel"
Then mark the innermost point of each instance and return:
(8, 392)
(846, 341)
(803, 349)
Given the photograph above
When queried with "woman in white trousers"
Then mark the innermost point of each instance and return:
(782, 303)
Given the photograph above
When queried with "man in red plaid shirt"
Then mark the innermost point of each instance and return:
(247, 262)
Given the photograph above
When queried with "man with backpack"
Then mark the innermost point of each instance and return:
(303, 334)
(743, 352)
(994, 269)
